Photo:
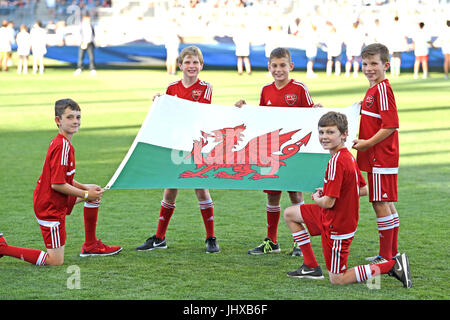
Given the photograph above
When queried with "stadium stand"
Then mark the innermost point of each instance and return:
(211, 23)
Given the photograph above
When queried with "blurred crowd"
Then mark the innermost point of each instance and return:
(337, 27)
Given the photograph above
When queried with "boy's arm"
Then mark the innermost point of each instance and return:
(82, 186)
(88, 192)
(364, 191)
(363, 145)
(78, 185)
(322, 201)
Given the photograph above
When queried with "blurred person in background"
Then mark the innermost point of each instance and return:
(421, 40)
(354, 44)
(23, 41)
(172, 45)
(10, 28)
(6, 40)
(241, 40)
(311, 44)
(397, 43)
(38, 46)
(270, 41)
(443, 41)
(87, 44)
(334, 49)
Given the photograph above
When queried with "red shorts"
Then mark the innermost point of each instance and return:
(53, 232)
(335, 251)
(422, 58)
(278, 192)
(382, 187)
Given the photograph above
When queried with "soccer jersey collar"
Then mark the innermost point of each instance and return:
(289, 82)
(181, 82)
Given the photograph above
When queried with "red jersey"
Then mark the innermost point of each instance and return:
(200, 91)
(294, 94)
(342, 181)
(378, 110)
(59, 167)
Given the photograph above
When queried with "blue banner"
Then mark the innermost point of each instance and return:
(215, 55)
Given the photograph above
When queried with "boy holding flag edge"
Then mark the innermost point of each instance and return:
(55, 195)
(282, 92)
(190, 62)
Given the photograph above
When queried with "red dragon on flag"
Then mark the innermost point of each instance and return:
(262, 151)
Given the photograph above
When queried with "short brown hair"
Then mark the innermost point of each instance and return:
(280, 53)
(333, 118)
(62, 104)
(190, 51)
(376, 48)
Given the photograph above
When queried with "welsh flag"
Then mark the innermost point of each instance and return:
(184, 144)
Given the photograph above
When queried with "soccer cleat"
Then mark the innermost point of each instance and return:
(370, 259)
(378, 259)
(266, 247)
(211, 245)
(401, 270)
(2, 242)
(296, 251)
(306, 272)
(153, 243)
(99, 249)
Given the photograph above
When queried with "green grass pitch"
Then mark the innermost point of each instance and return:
(114, 104)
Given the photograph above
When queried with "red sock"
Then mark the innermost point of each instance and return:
(367, 271)
(273, 216)
(395, 234)
(90, 213)
(382, 268)
(386, 233)
(33, 256)
(207, 210)
(302, 238)
(165, 214)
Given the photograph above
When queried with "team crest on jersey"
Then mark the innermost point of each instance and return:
(290, 98)
(196, 94)
(369, 101)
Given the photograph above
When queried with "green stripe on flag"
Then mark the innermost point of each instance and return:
(153, 167)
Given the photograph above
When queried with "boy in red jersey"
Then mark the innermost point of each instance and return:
(57, 192)
(334, 215)
(378, 147)
(283, 92)
(190, 88)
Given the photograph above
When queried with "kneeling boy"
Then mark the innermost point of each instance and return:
(334, 215)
